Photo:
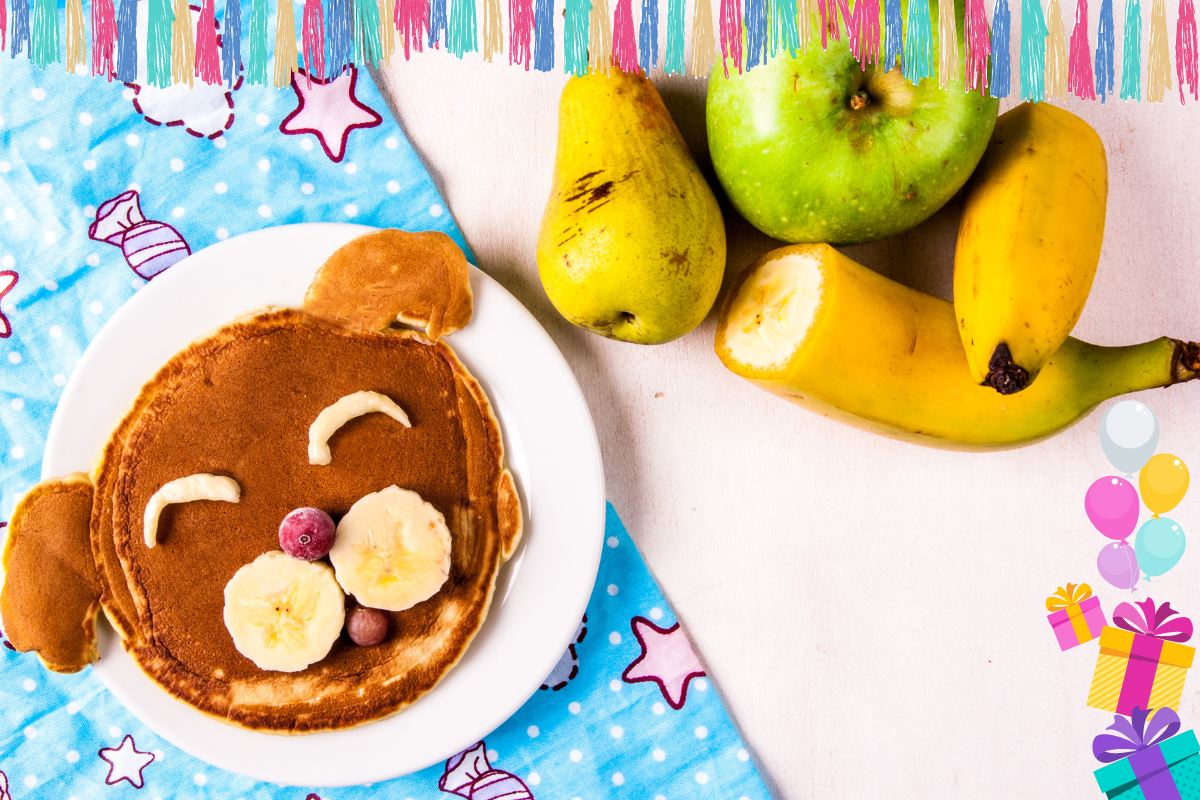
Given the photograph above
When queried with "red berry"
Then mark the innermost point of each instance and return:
(367, 626)
(307, 534)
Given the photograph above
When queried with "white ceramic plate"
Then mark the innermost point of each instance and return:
(552, 450)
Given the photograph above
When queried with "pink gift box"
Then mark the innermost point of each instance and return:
(1078, 623)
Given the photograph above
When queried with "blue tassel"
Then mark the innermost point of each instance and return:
(437, 23)
(675, 27)
(918, 50)
(127, 46)
(756, 33)
(20, 28)
(543, 36)
(576, 30)
(648, 37)
(340, 35)
(1131, 64)
(1001, 25)
(1105, 47)
(893, 41)
(784, 35)
(231, 42)
(1033, 51)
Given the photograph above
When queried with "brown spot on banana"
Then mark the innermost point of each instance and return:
(1004, 375)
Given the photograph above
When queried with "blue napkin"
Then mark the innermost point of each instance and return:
(103, 186)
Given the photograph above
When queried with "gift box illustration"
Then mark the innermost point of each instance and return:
(1146, 760)
(1142, 661)
(149, 246)
(1077, 616)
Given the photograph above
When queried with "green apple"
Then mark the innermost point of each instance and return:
(816, 148)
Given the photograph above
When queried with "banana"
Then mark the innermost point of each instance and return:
(284, 613)
(392, 550)
(1028, 242)
(812, 326)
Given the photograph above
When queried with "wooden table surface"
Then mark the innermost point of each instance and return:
(871, 612)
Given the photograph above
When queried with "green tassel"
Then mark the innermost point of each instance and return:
(918, 47)
(366, 32)
(462, 28)
(1033, 50)
(45, 33)
(576, 30)
(260, 46)
(158, 43)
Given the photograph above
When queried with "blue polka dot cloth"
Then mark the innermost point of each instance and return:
(105, 185)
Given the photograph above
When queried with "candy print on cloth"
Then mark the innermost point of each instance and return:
(4, 795)
(568, 666)
(125, 763)
(149, 247)
(330, 110)
(667, 658)
(470, 775)
(8, 279)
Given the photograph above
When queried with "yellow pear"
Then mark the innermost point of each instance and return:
(632, 244)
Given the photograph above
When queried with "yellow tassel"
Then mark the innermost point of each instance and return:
(947, 34)
(76, 36)
(1158, 79)
(493, 33)
(1056, 53)
(387, 30)
(183, 45)
(600, 38)
(286, 51)
(704, 43)
(804, 21)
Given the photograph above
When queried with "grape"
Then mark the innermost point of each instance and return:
(367, 626)
(307, 534)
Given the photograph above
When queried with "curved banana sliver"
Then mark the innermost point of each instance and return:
(201, 486)
(335, 416)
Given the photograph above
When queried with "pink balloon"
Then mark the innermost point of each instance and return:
(1118, 565)
(1112, 505)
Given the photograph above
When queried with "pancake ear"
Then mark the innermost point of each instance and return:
(50, 591)
(420, 279)
(508, 505)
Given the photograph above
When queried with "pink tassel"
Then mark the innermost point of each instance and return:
(312, 39)
(979, 46)
(520, 31)
(862, 28)
(624, 44)
(1185, 49)
(208, 59)
(1079, 67)
(412, 20)
(104, 37)
(731, 34)
(829, 22)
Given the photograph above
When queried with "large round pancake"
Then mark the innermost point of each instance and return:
(239, 403)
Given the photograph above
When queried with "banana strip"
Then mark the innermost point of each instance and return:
(341, 412)
(201, 486)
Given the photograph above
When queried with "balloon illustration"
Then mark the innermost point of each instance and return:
(1118, 565)
(1159, 545)
(1164, 481)
(1112, 506)
(1128, 434)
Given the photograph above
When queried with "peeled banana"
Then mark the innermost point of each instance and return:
(1028, 242)
(814, 327)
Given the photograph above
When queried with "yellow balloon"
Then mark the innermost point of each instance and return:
(1163, 481)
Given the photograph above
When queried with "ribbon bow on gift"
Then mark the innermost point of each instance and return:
(1153, 623)
(1135, 736)
(1070, 596)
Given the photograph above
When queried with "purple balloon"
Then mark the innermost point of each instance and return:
(1112, 505)
(1118, 565)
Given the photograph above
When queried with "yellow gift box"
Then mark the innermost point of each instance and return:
(1134, 669)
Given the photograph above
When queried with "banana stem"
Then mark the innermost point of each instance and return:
(1185, 361)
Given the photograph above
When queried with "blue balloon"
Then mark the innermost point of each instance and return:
(1129, 435)
(1159, 545)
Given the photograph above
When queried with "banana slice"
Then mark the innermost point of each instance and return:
(284, 613)
(392, 550)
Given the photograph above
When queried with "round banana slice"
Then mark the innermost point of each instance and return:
(392, 550)
(284, 613)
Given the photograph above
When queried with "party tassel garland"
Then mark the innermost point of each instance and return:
(675, 37)
(1105, 47)
(862, 29)
(575, 37)
(104, 38)
(648, 37)
(339, 36)
(20, 28)
(286, 53)
(231, 43)
(159, 42)
(127, 45)
(368, 50)
(624, 41)
(805, 14)
(1033, 51)
(784, 35)
(1056, 53)
(731, 34)
(1001, 23)
(1131, 61)
(520, 32)
(3, 24)
(312, 40)
(543, 33)
(947, 33)
(599, 38)
(704, 42)
(412, 20)
(827, 10)
(1079, 76)
(1158, 78)
(493, 31)
(208, 58)
(183, 45)
(918, 48)
(438, 24)
(978, 43)
(45, 33)
(460, 37)
(76, 36)
(1185, 49)
(756, 33)
(893, 42)
(260, 50)
(387, 31)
